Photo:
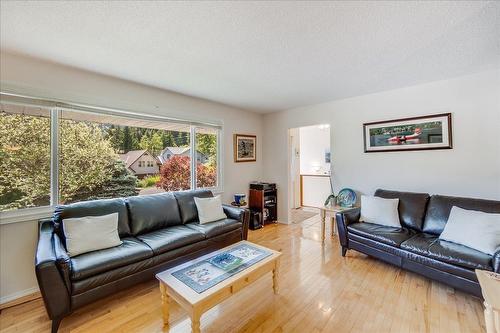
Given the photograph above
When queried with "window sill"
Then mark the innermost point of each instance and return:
(25, 215)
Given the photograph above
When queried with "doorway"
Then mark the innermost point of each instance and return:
(310, 169)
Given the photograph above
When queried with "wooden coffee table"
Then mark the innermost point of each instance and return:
(198, 303)
(490, 288)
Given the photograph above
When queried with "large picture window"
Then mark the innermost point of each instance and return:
(51, 156)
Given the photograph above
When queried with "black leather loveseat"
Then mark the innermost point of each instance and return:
(416, 246)
(158, 231)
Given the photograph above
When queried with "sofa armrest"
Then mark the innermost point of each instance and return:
(50, 280)
(240, 214)
(62, 261)
(496, 260)
(343, 220)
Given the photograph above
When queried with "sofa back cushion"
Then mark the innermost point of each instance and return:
(411, 207)
(93, 208)
(440, 206)
(187, 207)
(152, 212)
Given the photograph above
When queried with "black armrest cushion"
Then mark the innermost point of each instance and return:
(62, 261)
(343, 220)
(240, 214)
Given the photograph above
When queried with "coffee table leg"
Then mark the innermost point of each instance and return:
(276, 277)
(165, 300)
(195, 322)
(489, 318)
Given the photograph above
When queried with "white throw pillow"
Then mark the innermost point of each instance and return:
(91, 233)
(380, 211)
(474, 229)
(209, 209)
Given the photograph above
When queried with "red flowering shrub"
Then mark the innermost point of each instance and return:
(175, 174)
(206, 176)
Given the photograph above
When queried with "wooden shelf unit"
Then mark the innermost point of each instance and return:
(262, 201)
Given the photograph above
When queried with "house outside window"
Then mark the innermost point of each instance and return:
(53, 155)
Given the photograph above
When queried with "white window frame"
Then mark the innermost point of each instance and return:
(35, 213)
(218, 188)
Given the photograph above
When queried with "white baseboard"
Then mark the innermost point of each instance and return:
(18, 294)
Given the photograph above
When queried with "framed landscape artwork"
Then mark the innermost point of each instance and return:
(417, 133)
(245, 148)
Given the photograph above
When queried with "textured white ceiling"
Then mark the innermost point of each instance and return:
(263, 56)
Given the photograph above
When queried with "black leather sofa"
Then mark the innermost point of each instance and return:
(416, 246)
(158, 231)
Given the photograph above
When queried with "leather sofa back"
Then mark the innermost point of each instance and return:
(440, 206)
(152, 212)
(139, 214)
(187, 207)
(411, 207)
(94, 208)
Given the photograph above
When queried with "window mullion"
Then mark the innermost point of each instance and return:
(54, 156)
(219, 157)
(192, 143)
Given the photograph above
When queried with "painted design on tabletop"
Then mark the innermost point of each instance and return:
(209, 272)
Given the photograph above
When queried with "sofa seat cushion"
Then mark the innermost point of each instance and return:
(388, 235)
(104, 279)
(375, 244)
(452, 253)
(92, 263)
(170, 238)
(216, 228)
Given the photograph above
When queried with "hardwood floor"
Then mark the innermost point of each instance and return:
(299, 215)
(319, 292)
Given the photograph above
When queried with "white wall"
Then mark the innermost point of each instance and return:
(471, 168)
(294, 151)
(314, 141)
(39, 78)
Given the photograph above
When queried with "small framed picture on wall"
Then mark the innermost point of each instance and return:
(245, 148)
